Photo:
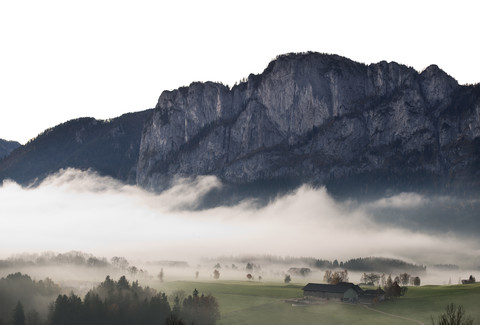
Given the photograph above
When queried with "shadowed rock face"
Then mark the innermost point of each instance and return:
(321, 119)
(109, 147)
(7, 146)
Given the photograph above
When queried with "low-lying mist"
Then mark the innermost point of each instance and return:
(79, 210)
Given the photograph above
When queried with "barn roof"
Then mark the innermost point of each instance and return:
(342, 287)
(374, 292)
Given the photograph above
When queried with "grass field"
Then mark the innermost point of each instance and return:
(248, 302)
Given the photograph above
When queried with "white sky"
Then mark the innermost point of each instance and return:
(66, 59)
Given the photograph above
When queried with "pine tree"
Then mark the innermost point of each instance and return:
(18, 317)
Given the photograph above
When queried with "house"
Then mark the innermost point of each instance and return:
(470, 280)
(343, 291)
(299, 271)
(372, 296)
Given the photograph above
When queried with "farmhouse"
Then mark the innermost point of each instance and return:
(344, 291)
(300, 271)
(470, 280)
(372, 296)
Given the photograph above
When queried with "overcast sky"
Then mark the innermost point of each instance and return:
(66, 59)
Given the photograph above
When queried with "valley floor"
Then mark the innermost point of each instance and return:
(248, 302)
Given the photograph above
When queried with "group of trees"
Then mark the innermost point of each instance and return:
(251, 277)
(49, 258)
(35, 296)
(195, 309)
(335, 277)
(393, 289)
(370, 264)
(111, 302)
(248, 267)
(121, 263)
(381, 280)
(76, 258)
(366, 264)
(119, 302)
(373, 279)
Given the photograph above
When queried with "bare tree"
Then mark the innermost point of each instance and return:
(327, 277)
(119, 262)
(453, 315)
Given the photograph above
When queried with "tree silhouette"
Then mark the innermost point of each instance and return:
(404, 278)
(201, 310)
(18, 317)
(112, 302)
(416, 281)
(67, 310)
(453, 315)
(32, 294)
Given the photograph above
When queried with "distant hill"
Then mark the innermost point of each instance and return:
(7, 146)
(109, 147)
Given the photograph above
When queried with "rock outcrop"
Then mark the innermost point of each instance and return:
(322, 119)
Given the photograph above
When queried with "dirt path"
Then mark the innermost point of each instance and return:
(392, 315)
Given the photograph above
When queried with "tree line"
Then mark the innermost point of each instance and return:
(72, 258)
(116, 302)
(381, 279)
(370, 264)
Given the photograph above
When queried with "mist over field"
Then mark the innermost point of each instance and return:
(80, 210)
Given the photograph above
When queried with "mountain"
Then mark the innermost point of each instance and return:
(7, 146)
(321, 119)
(360, 130)
(110, 147)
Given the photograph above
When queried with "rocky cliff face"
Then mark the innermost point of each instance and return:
(323, 119)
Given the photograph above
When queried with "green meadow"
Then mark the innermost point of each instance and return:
(249, 302)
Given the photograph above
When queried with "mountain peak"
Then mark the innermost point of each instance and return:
(313, 117)
(437, 84)
(6, 147)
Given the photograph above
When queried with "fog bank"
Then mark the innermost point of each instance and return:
(79, 210)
